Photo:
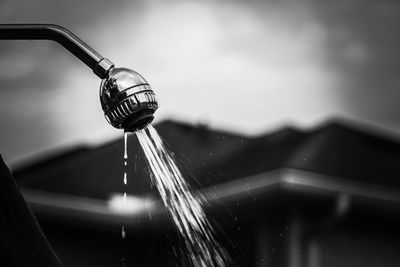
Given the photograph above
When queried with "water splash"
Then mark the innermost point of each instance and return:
(185, 209)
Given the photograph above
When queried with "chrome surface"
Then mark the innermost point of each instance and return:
(71, 42)
(103, 67)
(127, 100)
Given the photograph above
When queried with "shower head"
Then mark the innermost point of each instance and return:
(127, 100)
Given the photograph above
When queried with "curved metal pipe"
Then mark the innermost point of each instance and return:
(126, 97)
(67, 39)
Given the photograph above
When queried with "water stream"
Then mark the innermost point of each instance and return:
(185, 209)
(125, 179)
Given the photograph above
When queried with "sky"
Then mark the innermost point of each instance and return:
(243, 66)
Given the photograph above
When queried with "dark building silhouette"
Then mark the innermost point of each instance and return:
(322, 197)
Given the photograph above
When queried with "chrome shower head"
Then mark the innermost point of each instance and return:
(127, 100)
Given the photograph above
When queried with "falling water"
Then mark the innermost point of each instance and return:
(185, 209)
(125, 180)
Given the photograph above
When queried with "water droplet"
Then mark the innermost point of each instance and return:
(125, 179)
(126, 145)
(123, 233)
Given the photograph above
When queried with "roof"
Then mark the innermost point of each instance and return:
(98, 172)
(335, 149)
(333, 159)
(209, 157)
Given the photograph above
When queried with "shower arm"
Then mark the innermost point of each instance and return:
(126, 97)
(67, 39)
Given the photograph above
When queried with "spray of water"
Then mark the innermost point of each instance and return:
(185, 209)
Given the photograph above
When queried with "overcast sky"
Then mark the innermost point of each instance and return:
(243, 66)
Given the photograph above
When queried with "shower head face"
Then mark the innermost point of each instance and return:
(127, 100)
